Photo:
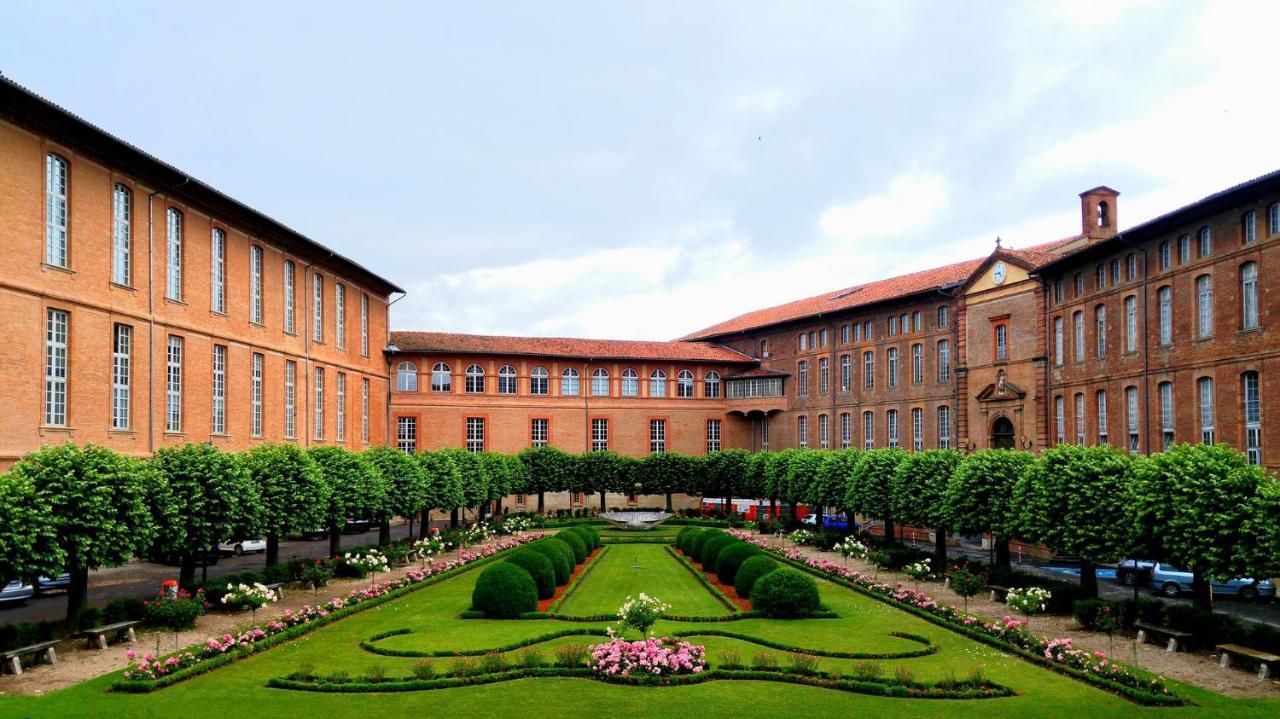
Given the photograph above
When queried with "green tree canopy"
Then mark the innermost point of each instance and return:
(870, 489)
(356, 489)
(28, 532)
(830, 487)
(292, 491)
(980, 496)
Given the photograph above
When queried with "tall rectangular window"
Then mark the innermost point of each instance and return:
(121, 225)
(917, 364)
(713, 435)
(1164, 300)
(1131, 418)
(1131, 324)
(340, 408)
(1205, 386)
(802, 378)
(1077, 328)
(255, 395)
(917, 429)
(1060, 419)
(943, 317)
(844, 334)
(1166, 414)
(1252, 417)
(1002, 342)
(944, 361)
(407, 434)
(1058, 341)
(846, 430)
(173, 386)
(317, 308)
(290, 399)
(1100, 330)
(657, 435)
(475, 434)
(824, 375)
(846, 372)
(891, 427)
(1184, 249)
(1079, 418)
(121, 346)
(173, 255)
(255, 284)
(869, 370)
(218, 405)
(891, 367)
(55, 211)
(1204, 242)
(288, 296)
(317, 431)
(1249, 227)
(364, 411)
(824, 431)
(1102, 416)
(944, 427)
(218, 270)
(599, 435)
(868, 430)
(340, 314)
(764, 433)
(1249, 296)
(1204, 306)
(364, 325)
(55, 367)
(539, 431)
(802, 431)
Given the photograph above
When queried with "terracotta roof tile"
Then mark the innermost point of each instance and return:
(454, 343)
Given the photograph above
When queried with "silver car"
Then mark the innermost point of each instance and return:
(16, 592)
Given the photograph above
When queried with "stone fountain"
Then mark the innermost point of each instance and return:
(636, 520)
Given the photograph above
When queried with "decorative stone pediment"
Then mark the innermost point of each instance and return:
(1001, 389)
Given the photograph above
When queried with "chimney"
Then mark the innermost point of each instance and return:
(1098, 212)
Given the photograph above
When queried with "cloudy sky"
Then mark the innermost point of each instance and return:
(640, 170)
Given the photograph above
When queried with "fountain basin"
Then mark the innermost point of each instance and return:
(636, 521)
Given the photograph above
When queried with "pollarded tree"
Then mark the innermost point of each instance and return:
(356, 490)
(725, 474)
(475, 484)
(549, 471)
(663, 473)
(601, 472)
(920, 495)
(1263, 551)
(443, 484)
(802, 476)
(28, 532)
(497, 480)
(292, 490)
(1193, 505)
(406, 486)
(775, 479)
(870, 489)
(100, 504)
(213, 499)
(753, 476)
(1073, 500)
(832, 482)
(980, 496)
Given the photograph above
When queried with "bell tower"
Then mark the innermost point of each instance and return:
(1098, 212)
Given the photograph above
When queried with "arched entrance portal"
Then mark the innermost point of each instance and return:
(1002, 433)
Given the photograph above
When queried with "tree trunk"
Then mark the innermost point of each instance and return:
(1201, 591)
(424, 525)
(273, 550)
(773, 507)
(453, 518)
(480, 511)
(384, 532)
(603, 507)
(669, 502)
(818, 518)
(1002, 555)
(187, 571)
(497, 507)
(335, 540)
(1088, 579)
(77, 594)
(542, 503)
(794, 513)
(888, 529)
(939, 551)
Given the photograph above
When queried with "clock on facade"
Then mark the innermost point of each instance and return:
(998, 273)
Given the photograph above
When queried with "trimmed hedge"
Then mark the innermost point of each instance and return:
(590, 536)
(576, 545)
(751, 570)
(785, 594)
(505, 591)
(732, 557)
(697, 540)
(560, 555)
(712, 548)
(538, 567)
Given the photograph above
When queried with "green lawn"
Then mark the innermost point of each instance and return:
(432, 616)
(629, 569)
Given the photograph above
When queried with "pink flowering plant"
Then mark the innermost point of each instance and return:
(648, 658)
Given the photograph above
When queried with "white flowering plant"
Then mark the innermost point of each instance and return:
(247, 596)
(476, 534)
(803, 536)
(642, 612)
(515, 525)
(919, 570)
(851, 548)
(1029, 600)
(368, 562)
(428, 549)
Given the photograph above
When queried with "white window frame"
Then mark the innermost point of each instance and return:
(1100, 330)
(1251, 398)
(173, 254)
(868, 429)
(539, 381)
(508, 380)
(317, 307)
(1164, 300)
(1204, 306)
(944, 427)
(1131, 419)
(1079, 417)
(802, 378)
(1100, 402)
(441, 377)
(917, 363)
(1060, 419)
(173, 385)
(340, 315)
(599, 434)
(121, 235)
(407, 434)
(317, 428)
(713, 435)
(290, 297)
(57, 180)
(255, 284)
(600, 383)
(539, 431)
(824, 431)
(475, 434)
(218, 391)
(868, 370)
(917, 429)
(1249, 296)
(944, 361)
(846, 430)
(711, 385)
(57, 329)
(364, 410)
(290, 399)
(891, 367)
(1208, 414)
(657, 436)
(475, 380)
(340, 408)
(1131, 324)
(407, 376)
(824, 375)
(1165, 390)
(802, 431)
(570, 383)
(891, 427)
(121, 376)
(684, 384)
(364, 325)
(255, 394)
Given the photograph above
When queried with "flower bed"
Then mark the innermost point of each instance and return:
(648, 657)
(153, 673)
(1008, 634)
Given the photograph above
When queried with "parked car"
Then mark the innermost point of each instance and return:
(1172, 581)
(834, 521)
(242, 546)
(1134, 571)
(206, 557)
(357, 526)
(16, 592)
(44, 584)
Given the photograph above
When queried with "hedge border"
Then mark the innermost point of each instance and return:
(706, 583)
(1136, 696)
(146, 686)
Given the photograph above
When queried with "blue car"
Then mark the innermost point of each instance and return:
(1172, 581)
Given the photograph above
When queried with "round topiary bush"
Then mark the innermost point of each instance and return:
(686, 545)
(560, 556)
(712, 548)
(587, 535)
(538, 567)
(574, 540)
(679, 540)
(751, 570)
(785, 594)
(732, 557)
(697, 540)
(504, 591)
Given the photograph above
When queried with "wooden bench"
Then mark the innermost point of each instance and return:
(1175, 638)
(278, 588)
(1264, 659)
(97, 636)
(998, 593)
(13, 657)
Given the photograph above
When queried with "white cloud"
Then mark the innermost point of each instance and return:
(763, 101)
(912, 202)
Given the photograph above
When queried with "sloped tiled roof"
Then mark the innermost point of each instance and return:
(929, 280)
(455, 343)
(759, 373)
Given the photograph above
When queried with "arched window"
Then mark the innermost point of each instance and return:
(1100, 329)
(943, 316)
(406, 377)
(569, 382)
(1249, 227)
(1249, 295)
(600, 382)
(891, 367)
(944, 360)
(1204, 306)
(506, 379)
(1273, 220)
(657, 383)
(1131, 324)
(1104, 217)
(475, 379)
(1166, 414)
(1205, 387)
(1002, 342)
(441, 377)
(630, 383)
(1184, 249)
(917, 364)
(711, 385)
(1204, 242)
(1164, 298)
(684, 384)
(539, 381)
(1166, 255)
(55, 210)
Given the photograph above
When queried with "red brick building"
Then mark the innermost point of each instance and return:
(143, 308)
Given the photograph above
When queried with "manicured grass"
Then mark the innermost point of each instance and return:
(432, 616)
(629, 569)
